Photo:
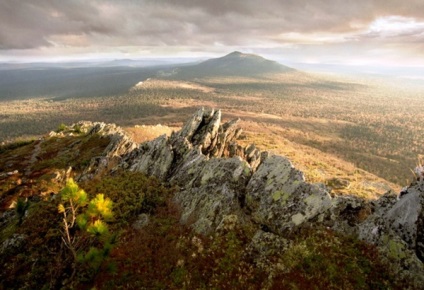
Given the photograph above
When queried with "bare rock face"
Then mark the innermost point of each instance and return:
(396, 228)
(212, 191)
(154, 158)
(119, 145)
(278, 196)
(204, 131)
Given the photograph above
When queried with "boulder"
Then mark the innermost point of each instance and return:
(154, 158)
(212, 191)
(277, 196)
(141, 221)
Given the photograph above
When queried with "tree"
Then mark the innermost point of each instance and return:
(89, 216)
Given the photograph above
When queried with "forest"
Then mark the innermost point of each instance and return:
(372, 123)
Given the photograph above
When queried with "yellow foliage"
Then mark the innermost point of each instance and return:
(61, 208)
(98, 228)
(72, 192)
(100, 206)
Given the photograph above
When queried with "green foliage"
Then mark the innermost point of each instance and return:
(14, 145)
(88, 215)
(131, 192)
(325, 260)
(77, 129)
(82, 220)
(61, 128)
(73, 194)
(98, 228)
(94, 257)
(99, 206)
(21, 208)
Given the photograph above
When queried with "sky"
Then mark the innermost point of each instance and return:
(350, 32)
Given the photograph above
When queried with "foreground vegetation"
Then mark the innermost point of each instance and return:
(56, 233)
(152, 249)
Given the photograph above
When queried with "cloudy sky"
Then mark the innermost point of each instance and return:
(382, 32)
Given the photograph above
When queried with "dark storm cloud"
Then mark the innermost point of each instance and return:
(198, 24)
(28, 24)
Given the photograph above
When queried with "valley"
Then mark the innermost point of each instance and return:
(371, 124)
(261, 192)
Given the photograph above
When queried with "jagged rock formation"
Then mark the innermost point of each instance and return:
(219, 179)
(120, 143)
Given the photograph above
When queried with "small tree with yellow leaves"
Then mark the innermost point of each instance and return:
(89, 216)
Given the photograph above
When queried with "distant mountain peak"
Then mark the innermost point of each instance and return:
(235, 63)
(235, 53)
(238, 54)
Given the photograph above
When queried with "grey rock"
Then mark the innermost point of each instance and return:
(264, 246)
(193, 124)
(212, 191)
(266, 250)
(206, 138)
(403, 216)
(395, 227)
(393, 216)
(228, 223)
(141, 221)
(346, 213)
(13, 243)
(278, 196)
(154, 158)
(120, 144)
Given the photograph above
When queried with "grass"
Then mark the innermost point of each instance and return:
(14, 145)
(60, 153)
(317, 166)
(321, 259)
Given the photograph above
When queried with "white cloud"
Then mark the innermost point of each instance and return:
(396, 26)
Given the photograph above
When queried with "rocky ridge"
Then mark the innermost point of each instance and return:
(221, 182)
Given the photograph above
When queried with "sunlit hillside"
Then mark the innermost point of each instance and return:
(373, 125)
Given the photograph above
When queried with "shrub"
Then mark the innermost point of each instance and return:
(77, 129)
(133, 193)
(21, 208)
(90, 217)
(61, 128)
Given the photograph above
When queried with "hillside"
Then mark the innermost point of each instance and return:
(233, 64)
(365, 125)
(194, 208)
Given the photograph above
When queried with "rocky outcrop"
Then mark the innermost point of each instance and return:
(278, 196)
(218, 178)
(119, 145)
(396, 227)
(266, 186)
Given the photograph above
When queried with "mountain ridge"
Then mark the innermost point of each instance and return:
(233, 64)
(222, 186)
